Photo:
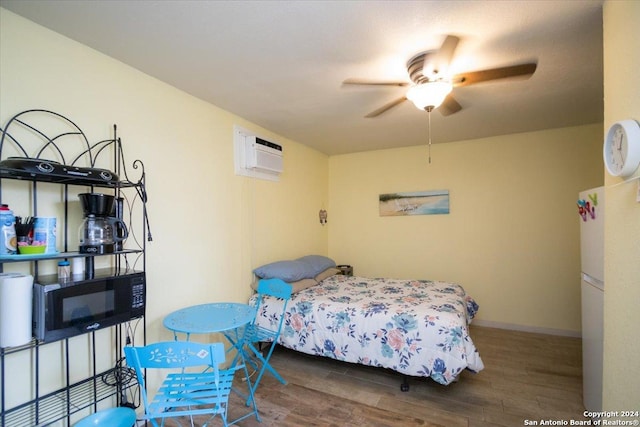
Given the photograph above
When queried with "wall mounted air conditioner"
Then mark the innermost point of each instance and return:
(255, 156)
(262, 155)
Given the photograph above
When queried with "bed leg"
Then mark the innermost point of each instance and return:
(405, 384)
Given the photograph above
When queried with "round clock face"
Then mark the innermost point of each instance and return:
(621, 149)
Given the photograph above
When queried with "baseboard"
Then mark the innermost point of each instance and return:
(523, 328)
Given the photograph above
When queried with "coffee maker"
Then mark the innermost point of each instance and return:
(100, 232)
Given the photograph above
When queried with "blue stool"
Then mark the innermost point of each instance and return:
(112, 417)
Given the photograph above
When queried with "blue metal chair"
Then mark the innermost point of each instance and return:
(183, 392)
(254, 333)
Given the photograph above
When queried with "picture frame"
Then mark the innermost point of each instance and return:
(432, 202)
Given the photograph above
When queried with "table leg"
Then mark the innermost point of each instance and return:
(250, 398)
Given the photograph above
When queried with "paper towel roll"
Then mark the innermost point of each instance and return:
(16, 292)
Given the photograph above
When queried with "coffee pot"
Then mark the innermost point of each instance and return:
(99, 235)
(100, 232)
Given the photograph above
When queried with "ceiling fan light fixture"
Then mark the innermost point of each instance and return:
(429, 95)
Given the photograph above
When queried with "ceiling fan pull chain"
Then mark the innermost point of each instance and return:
(429, 113)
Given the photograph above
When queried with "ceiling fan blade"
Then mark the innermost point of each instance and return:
(445, 54)
(436, 63)
(385, 107)
(473, 77)
(373, 83)
(449, 106)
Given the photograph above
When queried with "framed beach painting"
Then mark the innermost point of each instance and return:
(434, 202)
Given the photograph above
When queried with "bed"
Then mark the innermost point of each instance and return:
(415, 327)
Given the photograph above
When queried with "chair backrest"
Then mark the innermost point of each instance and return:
(173, 355)
(275, 287)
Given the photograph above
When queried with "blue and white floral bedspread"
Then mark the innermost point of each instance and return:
(415, 327)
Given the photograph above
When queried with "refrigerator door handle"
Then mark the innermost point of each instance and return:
(593, 281)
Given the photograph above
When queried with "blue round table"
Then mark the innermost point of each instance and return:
(209, 318)
(112, 417)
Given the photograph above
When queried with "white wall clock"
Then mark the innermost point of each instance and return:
(621, 151)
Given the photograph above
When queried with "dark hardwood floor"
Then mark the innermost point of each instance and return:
(527, 376)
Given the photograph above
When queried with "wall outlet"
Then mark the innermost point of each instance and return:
(638, 195)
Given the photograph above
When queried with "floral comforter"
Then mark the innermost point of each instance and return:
(415, 327)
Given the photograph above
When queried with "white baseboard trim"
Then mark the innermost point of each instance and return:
(523, 328)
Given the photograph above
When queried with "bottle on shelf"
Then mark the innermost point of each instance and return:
(64, 271)
(8, 241)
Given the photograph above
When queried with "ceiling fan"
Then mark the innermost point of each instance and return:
(431, 83)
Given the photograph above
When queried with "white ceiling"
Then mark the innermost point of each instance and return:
(280, 64)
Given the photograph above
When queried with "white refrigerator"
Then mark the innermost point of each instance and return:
(591, 212)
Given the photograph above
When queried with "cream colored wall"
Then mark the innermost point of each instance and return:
(622, 223)
(512, 230)
(210, 227)
(512, 235)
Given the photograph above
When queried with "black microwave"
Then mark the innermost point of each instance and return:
(63, 310)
